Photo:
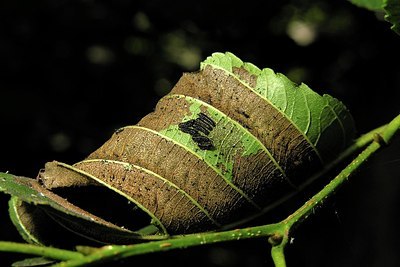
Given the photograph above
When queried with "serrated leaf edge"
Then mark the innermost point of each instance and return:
(233, 60)
(246, 64)
(390, 6)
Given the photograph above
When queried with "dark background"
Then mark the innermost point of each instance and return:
(74, 71)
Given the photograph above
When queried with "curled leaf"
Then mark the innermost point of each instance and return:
(224, 144)
(39, 215)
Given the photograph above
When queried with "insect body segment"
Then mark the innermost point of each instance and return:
(206, 121)
(199, 129)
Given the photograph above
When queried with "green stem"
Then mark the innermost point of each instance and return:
(380, 137)
(361, 142)
(358, 144)
(109, 253)
(278, 243)
(384, 134)
(48, 252)
(278, 256)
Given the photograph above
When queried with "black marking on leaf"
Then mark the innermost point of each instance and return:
(203, 142)
(204, 118)
(199, 129)
(242, 112)
(188, 130)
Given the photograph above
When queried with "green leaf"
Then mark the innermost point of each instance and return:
(392, 8)
(19, 219)
(369, 4)
(30, 203)
(324, 120)
(37, 261)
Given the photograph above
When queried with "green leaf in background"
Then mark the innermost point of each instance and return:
(392, 8)
(373, 5)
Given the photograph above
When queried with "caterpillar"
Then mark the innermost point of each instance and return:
(224, 144)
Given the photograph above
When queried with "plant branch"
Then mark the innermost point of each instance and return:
(48, 252)
(278, 243)
(115, 252)
(360, 143)
(381, 137)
